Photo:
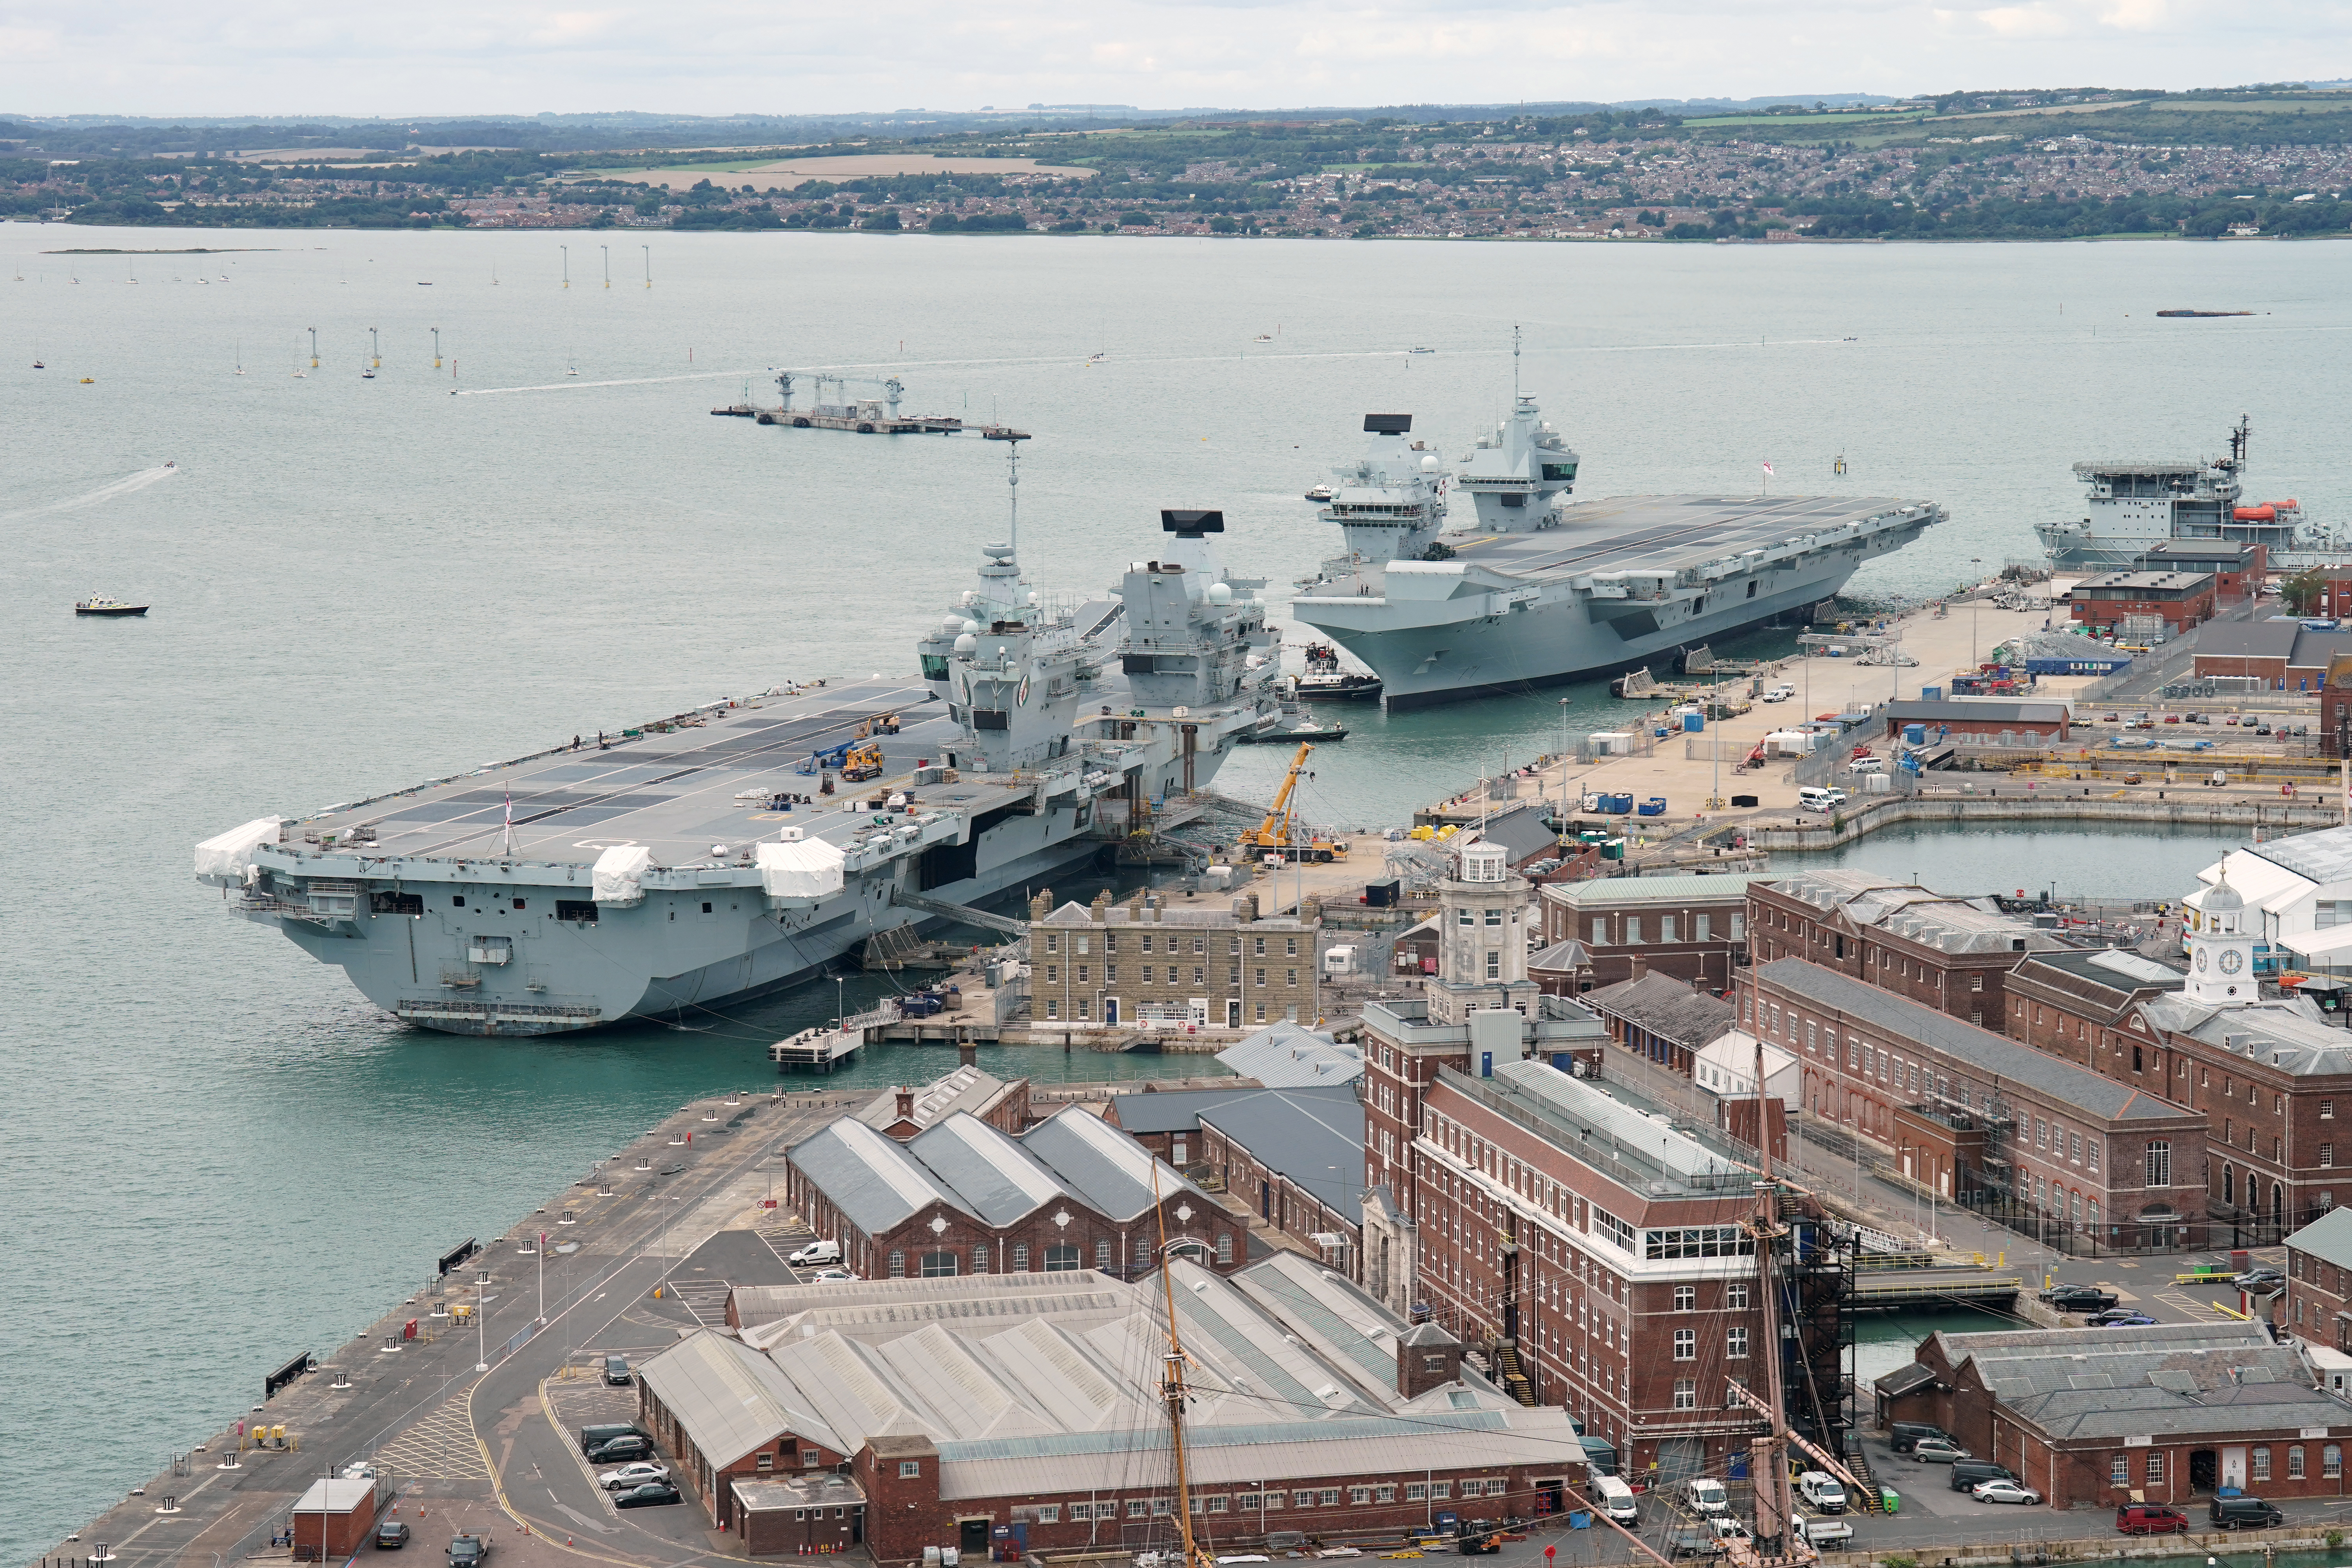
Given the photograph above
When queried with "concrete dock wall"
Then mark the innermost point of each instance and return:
(1852, 822)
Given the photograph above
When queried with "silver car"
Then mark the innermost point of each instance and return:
(2003, 1492)
(1938, 1451)
(635, 1475)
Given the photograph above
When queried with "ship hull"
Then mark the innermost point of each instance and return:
(674, 957)
(1551, 645)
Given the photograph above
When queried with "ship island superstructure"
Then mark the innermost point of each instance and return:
(2131, 505)
(1542, 587)
(702, 860)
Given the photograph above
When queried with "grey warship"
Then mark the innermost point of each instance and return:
(699, 862)
(1541, 588)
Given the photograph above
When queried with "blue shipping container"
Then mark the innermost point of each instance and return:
(1693, 722)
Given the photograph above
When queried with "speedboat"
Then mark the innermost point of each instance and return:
(1424, 350)
(100, 605)
(1321, 493)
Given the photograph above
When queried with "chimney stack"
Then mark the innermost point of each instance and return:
(906, 1103)
(1641, 968)
(967, 1050)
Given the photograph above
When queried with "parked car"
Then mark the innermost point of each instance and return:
(616, 1371)
(2004, 1492)
(635, 1475)
(1822, 1490)
(1903, 1434)
(391, 1535)
(469, 1551)
(831, 1277)
(1970, 1473)
(1938, 1451)
(622, 1450)
(2243, 1513)
(815, 1253)
(2120, 1318)
(605, 1432)
(654, 1494)
(2147, 1519)
(2079, 1299)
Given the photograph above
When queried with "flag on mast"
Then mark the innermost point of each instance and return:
(1768, 468)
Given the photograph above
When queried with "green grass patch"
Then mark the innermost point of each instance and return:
(1844, 120)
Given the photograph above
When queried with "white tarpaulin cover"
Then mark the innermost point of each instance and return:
(228, 853)
(808, 869)
(616, 873)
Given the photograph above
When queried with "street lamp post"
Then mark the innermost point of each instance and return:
(481, 1327)
(542, 1259)
(1976, 598)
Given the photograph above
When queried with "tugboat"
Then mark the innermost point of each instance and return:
(99, 605)
(1325, 681)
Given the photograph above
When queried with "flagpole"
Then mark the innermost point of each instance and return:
(507, 849)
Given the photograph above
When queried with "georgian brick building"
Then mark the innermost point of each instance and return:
(1984, 1120)
(964, 1197)
(1693, 928)
(1952, 954)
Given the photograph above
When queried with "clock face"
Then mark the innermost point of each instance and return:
(2232, 961)
(2201, 961)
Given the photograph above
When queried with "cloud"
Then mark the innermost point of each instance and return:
(442, 56)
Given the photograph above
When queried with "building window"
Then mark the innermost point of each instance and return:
(1137, 1508)
(898, 1265)
(1061, 1259)
(1687, 1344)
(2158, 1161)
(1290, 948)
(2294, 1462)
(1260, 982)
(980, 1260)
(1293, 977)
(1633, 928)
(1685, 1394)
(1736, 1344)
(1493, 917)
(1020, 1258)
(2091, 1156)
(1600, 930)
(1053, 1008)
(1328, 1496)
(1667, 928)
(1052, 942)
(2331, 1460)
(1358, 1495)
(2327, 1154)
(939, 1265)
(1701, 926)
(1735, 1295)
(766, 1461)
(1102, 1255)
(1225, 1248)
(2119, 1470)
(1494, 967)
(2327, 1111)
(1685, 1299)
(909, 1469)
(2262, 1463)
(1416, 1492)
(2156, 1467)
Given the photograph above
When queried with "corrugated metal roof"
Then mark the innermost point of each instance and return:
(2327, 1239)
(2322, 857)
(1172, 1110)
(994, 1176)
(1314, 1138)
(868, 1176)
(1344, 1323)
(1286, 1055)
(1614, 890)
(1102, 1165)
(730, 1399)
(1994, 1054)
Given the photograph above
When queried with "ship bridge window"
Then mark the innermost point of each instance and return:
(1559, 470)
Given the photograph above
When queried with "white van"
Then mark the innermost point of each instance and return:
(1866, 766)
(1705, 1494)
(815, 1253)
(1822, 1490)
(1615, 1499)
(1813, 797)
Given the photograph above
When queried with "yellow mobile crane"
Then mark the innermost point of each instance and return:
(1282, 833)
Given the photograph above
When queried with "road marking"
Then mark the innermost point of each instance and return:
(583, 1522)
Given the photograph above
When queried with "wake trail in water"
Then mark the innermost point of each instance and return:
(129, 484)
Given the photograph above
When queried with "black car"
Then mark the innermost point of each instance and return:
(391, 1535)
(605, 1432)
(1905, 1434)
(653, 1494)
(616, 1371)
(620, 1450)
(468, 1551)
(1967, 1473)
(2079, 1299)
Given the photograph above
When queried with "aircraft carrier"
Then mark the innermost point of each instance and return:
(707, 858)
(1543, 588)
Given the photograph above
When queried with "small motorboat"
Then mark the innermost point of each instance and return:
(368, 375)
(170, 462)
(1321, 493)
(38, 365)
(1419, 351)
(100, 605)
(1263, 338)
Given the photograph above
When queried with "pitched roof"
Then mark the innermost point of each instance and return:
(1952, 710)
(1101, 1165)
(1664, 1006)
(1288, 1055)
(2247, 640)
(2327, 1239)
(1613, 890)
(966, 1088)
(1561, 956)
(872, 1179)
(1313, 1137)
(1994, 1054)
(730, 1399)
(1170, 1109)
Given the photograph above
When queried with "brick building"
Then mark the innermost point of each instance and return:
(964, 1197)
(1479, 1007)
(1148, 961)
(1661, 1019)
(2268, 1072)
(1602, 1252)
(1952, 954)
(2318, 1306)
(1984, 1120)
(2179, 599)
(2284, 654)
(1693, 928)
(2238, 570)
(1003, 1415)
(904, 1109)
(1291, 1157)
(1979, 721)
(2166, 1413)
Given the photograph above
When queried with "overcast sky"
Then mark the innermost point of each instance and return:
(444, 57)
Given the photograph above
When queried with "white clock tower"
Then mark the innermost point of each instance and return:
(2220, 950)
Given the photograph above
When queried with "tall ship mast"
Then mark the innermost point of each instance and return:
(1539, 587)
(698, 861)
(2131, 505)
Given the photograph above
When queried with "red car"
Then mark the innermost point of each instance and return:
(2146, 1518)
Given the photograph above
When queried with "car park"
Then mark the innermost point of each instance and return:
(1938, 1451)
(653, 1494)
(636, 1475)
(2004, 1492)
(391, 1535)
(2148, 1519)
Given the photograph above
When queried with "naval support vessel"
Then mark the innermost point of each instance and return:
(700, 862)
(1542, 588)
(2132, 505)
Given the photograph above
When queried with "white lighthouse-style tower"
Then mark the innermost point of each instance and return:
(2220, 950)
